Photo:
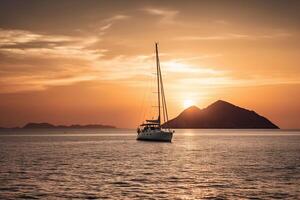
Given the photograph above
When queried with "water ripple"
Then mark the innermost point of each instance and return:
(104, 166)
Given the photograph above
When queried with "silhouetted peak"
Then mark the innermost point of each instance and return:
(220, 114)
(192, 110)
(221, 103)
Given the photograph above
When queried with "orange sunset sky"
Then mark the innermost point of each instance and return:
(82, 62)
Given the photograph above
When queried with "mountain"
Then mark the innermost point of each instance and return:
(47, 125)
(220, 114)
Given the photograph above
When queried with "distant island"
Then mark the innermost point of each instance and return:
(51, 126)
(219, 115)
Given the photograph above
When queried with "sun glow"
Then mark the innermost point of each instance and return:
(187, 103)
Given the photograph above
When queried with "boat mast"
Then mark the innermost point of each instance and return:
(158, 80)
(165, 110)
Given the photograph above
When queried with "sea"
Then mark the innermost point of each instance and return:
(112, 164)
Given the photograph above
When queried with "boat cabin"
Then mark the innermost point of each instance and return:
(150, 125)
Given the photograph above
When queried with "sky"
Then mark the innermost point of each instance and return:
(84, 62)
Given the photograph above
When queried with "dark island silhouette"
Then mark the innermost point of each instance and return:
(48, 125)
(45, 125)
(219, 115)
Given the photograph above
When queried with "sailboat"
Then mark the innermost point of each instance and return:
(152, 130)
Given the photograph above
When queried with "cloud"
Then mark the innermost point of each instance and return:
(21, 83)
(216, 37)
(116, 18)
(167, 16)
(234, 36)
(228, 81)
(177, 66)
(29, 44)
(34, 61)
(201, 57)
(105, 27)
(108, 22)
(11, 37)
(127, 67)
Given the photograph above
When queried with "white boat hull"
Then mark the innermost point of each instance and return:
(155, 135)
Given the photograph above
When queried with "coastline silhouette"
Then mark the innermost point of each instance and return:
(45, 125)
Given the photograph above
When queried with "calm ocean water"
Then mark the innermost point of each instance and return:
(111, 164)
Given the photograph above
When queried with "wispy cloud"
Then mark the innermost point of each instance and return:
(34, 61)
(11, 37)
(167, 16)
(108, 22)
(116, 18)
(200, 57)
(30, 44)
(229, 81)
(105, 27)
(178, 66)
(234, 36)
